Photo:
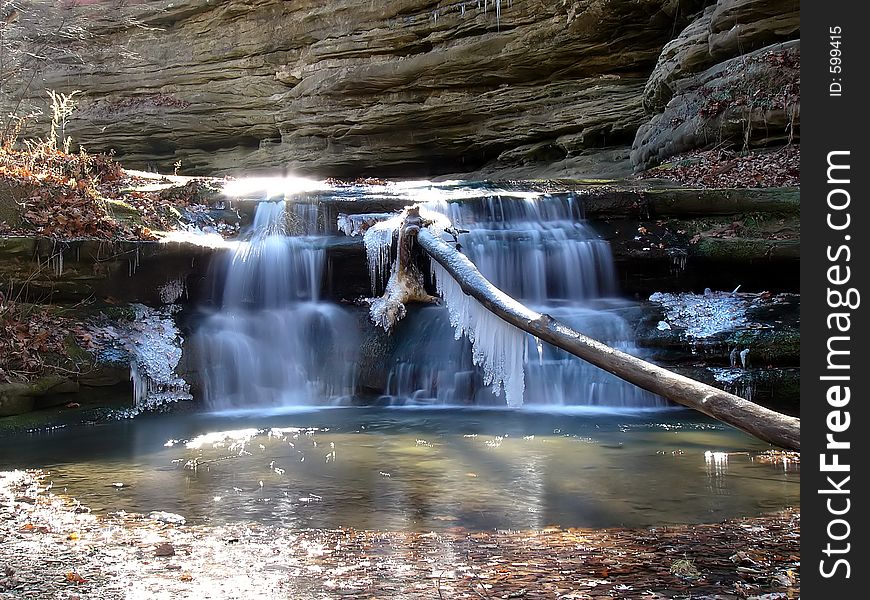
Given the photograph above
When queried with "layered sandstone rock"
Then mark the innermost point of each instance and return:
(731, 77)
(408, 87)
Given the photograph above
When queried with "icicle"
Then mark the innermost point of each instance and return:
(133, 264)
(406, 281)
(345, 225)
(155, 350)
(499, 348)
(378, 239)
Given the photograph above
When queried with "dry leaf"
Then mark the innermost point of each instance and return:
(74, 577)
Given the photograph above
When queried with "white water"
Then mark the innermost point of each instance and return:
(538, 250)
(270, 342)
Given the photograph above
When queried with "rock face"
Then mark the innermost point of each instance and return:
(18, 398)
(732, 76)
(342, 88)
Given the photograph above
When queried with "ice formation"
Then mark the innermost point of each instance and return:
(387, 310)
(155, 350)
(405, 282)
(172, 291)
(354, 225)
(378, 240)
(55, 262)
(537, 249)
(497, 347)
(704, 315)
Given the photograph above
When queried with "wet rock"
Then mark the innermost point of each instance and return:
(19, 398)
(166, 549)
(167, 517)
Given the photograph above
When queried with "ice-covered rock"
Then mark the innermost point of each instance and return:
(154, 344)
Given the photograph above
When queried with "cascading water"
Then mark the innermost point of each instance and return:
(538, 250)
(269, 342)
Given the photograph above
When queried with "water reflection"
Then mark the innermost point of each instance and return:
(417, 469)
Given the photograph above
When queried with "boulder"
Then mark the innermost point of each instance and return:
(748, 101)
(15, 399)
(698, 71)
(725, 29)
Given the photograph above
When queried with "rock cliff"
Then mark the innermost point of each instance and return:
(405, 87)
(730, 78)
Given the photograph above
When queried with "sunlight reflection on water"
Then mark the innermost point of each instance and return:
(418, 469)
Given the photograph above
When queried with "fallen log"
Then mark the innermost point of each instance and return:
(763, 423)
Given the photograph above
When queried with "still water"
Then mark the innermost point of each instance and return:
(416, 469)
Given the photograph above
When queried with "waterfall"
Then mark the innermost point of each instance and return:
(269, 341)
(539, 250)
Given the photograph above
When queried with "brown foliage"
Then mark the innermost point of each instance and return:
(63, 199)
(27, 334)
(67, 196)
(730, 169)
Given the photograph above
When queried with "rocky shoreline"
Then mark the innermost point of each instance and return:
(53, 547)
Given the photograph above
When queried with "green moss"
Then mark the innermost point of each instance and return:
(76, 353)
(769, 346)
(119, 312)
(732, 249)
(123, 212)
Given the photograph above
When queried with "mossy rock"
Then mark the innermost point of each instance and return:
(769, 346)
(14, 399)
(723, 201)
(124, 213)
(119, 312)
(745, 250)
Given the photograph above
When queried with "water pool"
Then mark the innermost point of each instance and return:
(416, 469)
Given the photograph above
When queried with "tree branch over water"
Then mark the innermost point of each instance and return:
(765, 424)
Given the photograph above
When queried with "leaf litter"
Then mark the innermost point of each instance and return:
(65, 196)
